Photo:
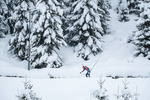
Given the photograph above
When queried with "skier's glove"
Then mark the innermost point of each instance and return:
(80, 72)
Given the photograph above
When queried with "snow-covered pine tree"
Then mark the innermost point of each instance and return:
(3, 18)
(133, 6)
(107, 3)
(123, 11)
(66, 21)
(85, 29)
(141, 38)
(19, 43)
(104, 5)
(47, 36)
(11, 4)
(66, 12)
(27, 93)
(6, 14)
(144, 4)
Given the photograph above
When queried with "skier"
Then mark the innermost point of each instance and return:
(88, 71)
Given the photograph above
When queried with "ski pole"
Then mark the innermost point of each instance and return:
(94, 65)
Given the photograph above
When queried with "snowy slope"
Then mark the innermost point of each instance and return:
(116, 59)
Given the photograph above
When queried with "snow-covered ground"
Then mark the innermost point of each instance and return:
(116, 60)
(72, 88)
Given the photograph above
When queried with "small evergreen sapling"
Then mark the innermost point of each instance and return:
(101, 93)
(27, 93)
(118, 96)
(136, 95)
(125, 93)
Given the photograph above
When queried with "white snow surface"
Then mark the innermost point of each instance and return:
(72, 88)
(116, 59)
